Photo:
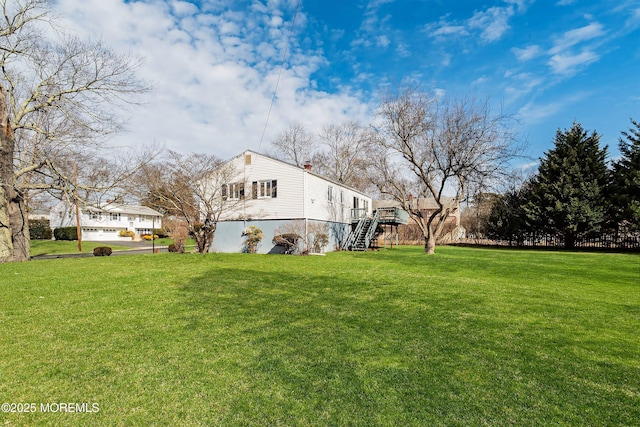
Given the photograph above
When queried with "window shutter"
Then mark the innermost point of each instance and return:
(254, 190)
(274, 188)
(241, 190)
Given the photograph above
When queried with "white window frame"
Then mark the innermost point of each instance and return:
(330, 193)
(265, 190)
(234, 191)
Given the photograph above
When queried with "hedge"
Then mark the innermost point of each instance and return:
(66, 233)
(39, 229)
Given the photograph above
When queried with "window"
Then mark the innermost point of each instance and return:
(265, 189)
(236, 191)
(366, 205)
(114, 217)
(341, 197)
(330, 193)
(96, 216)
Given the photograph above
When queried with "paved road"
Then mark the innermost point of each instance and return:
(136, 248)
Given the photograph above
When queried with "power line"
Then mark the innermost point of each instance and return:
(284, 57)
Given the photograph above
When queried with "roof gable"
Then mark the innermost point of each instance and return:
(297, 168)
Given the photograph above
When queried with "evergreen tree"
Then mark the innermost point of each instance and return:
(625, 189)
(569, 191)
(507, 219)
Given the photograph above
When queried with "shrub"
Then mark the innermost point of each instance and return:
(148, 236)
(102, 251)
(161, 233)
(176, 248)
(66, 233)
(39, 229)
(127, 233)
(252, 237)
(289, 241)
(179, 235)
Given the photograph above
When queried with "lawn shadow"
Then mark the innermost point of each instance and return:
(319, 348)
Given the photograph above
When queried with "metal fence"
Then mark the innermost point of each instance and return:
(533, 240)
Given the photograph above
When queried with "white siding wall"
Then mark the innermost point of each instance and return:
(288, 201)
(300, 194)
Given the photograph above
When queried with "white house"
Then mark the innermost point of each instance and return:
(274, 195)
(104, 223)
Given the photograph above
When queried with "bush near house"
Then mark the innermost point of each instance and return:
(252, 237)
(127, 233)
(149, 237)
(39, 229)
(66, 233)
(288, 241)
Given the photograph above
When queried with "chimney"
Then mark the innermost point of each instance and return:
(308, 165)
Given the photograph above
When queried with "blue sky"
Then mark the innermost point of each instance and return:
(215, 64)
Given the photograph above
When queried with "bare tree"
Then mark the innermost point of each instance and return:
(293, 145)
(439, 148)
(57, 101)
(346, 151)
(194, 188)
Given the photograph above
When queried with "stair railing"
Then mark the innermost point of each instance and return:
(353, 236)
(372, 229)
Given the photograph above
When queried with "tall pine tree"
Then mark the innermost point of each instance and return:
(569, 191)
(626, 180)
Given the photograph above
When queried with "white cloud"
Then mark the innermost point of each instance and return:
(568, 64)
(449, 30)
(492, 23)
(382, 41)
(532, 113)
(576, 36)
(213, 73)
(528, 53)
(521, 85)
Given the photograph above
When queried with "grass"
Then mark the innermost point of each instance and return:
(464, 337)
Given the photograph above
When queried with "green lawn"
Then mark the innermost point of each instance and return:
(464, 337)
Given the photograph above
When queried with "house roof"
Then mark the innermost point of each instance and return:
(122, 208)
(130, 209)
(303, 169)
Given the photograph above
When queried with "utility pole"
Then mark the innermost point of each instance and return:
(75, 196)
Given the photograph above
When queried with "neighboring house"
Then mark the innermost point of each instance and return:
(103, 223)
(39, 214)
(275, 196)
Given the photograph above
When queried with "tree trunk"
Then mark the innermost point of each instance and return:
(19, 220)
(6, 245)
(430, 244)
(569, 240)
(7, 147)
(204, 239)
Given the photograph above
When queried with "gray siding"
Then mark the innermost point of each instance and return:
(228, 237)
